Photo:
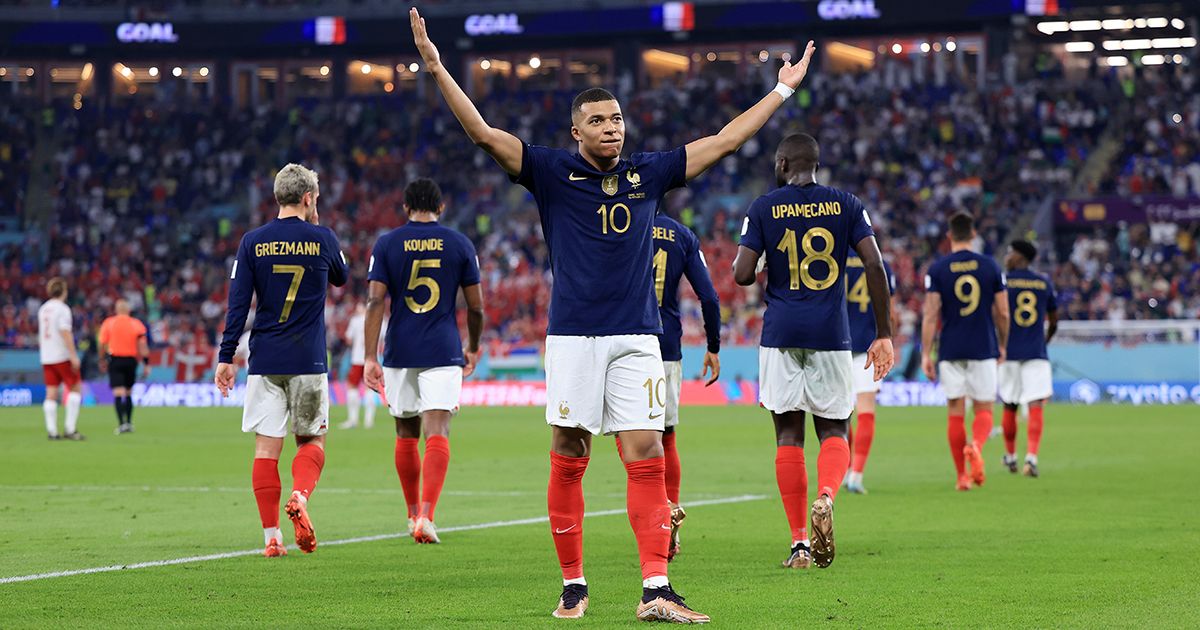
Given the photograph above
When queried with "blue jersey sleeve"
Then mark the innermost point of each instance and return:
(339, 269)
(860, 226)
(535, 162)
(998, 284)
(696, 270)
(470, 267)
(668, 167)
(752, 236)
(932, 285)
(241, 290)
(377, 269)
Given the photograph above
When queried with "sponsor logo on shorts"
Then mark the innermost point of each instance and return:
(655, 416)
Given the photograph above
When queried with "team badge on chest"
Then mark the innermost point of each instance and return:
(609, 184)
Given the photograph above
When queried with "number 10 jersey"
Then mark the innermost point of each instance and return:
(806, 233)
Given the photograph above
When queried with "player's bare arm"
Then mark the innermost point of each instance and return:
(929, 323)
(69, 341)
(1052, 324)
(102, 358)
(376, 295)
(881, 353)
(504, 147)
(143, 349)
(1000, 316)
(703, 153)
(474, 297)
(745, 266)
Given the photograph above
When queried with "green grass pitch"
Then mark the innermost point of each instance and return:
(1107, 537)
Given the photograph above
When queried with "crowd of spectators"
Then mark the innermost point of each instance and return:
(1161, 145)
(150, 202)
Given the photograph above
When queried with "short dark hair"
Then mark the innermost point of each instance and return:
(423, 194)
(800, 148)
(961, 227)
(56, 287)
(590, 95)
(1025, 248)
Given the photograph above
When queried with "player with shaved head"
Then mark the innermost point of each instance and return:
(122, 344)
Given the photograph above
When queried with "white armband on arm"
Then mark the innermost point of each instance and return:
(783, 90)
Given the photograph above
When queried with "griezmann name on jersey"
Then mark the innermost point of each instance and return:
(597, 226)
(968, 283)
(287, 263)
(858, 302)
(1030, 297)
(805, 233)
(423, 265)
(677, 254)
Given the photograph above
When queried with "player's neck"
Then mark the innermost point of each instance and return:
(956, 247)
(600, 165)
(422, 217)
(291, 212)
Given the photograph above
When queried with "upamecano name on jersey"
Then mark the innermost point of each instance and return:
(806, 210)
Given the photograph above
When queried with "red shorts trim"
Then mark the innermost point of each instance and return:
(60, 374)
(355, 377)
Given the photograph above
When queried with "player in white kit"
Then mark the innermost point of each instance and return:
(60, 361)
(358, 398)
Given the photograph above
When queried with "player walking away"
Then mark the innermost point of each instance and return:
(1025, 377)
(677, 254)
(862, 334)
(604, 370)
(356, 399)
(421, 265)
(122, 344)
(60, 361)
(965, 292)
(805, 230)
(286, 264)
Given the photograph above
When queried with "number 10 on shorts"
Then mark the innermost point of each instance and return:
(656, 391)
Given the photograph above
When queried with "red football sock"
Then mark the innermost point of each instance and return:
(792, 477)
(862, 446)
(1035, 429)
(306, 468)
(408, 468)
(433, 472)
(649, 514)
(565, 500)
(956, 432)
(673, 472)
(1009, 420)
(832, 462)
(264, 478)
(981, 429)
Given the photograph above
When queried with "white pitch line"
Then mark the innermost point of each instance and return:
(345, 541)
(321, 490)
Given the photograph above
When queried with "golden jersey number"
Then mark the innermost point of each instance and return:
(297, 272)
(858, 294)
(660, 273)
(970, 299)
(798, 268)
(656, 391)
(610, 218)
(1026, 312)
(416, 280)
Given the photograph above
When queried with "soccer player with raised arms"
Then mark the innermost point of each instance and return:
(862, 335)
(287, 264)
(965, 293)
(805, 230)
(422, 265)
(604, 370)
(1025, 376)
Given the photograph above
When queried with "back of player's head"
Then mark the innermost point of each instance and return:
(423, 194)
(56, 287)
(1026, 249)
(962, 227)
(122, 307)
(590, 95)
(801, 152)
(292, 182)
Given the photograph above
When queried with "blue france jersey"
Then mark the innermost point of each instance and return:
(968, 283)
(858, 302)
(423, 266)
(287, 264)
(597, 226)
(1030, 297)
(677, 254)
(805, 233)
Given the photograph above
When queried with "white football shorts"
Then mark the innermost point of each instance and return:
(413, 391)
(276, 404)
(674, 372)
(605, 384)
(968, 378)
(1024, 382)
(820, 382)
(864, 379)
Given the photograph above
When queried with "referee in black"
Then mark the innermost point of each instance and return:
(122, 344)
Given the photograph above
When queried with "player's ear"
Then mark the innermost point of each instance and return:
(575, 133)
(441, 208)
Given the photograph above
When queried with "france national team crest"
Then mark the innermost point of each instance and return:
(635, 180)
(609, 184)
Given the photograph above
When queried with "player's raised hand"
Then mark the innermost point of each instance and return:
(472, 360)
(791, 74)
(928, 367)
(881, 355)
(429, 52)
(224, 378)
(373, 375)
(712, 363)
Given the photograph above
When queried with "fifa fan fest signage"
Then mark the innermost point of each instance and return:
(493, 24)
(146, 33)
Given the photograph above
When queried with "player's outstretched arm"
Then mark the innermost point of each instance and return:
(703, 153)
(504, 147)
(474, 297)
(373, 372)
(241, 290)
(1001, 317)
(881, 353)
(929, 323)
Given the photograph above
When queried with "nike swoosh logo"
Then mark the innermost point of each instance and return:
(666, 527)
(575, 179)
(655, 416)
(563, 531)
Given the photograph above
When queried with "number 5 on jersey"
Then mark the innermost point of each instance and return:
(416, 280)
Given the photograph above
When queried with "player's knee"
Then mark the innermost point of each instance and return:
(571, 442)
(408, 427)
(826, 428)
(317, 440)
(436, 423)
(640, 447)
(1037, 404)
